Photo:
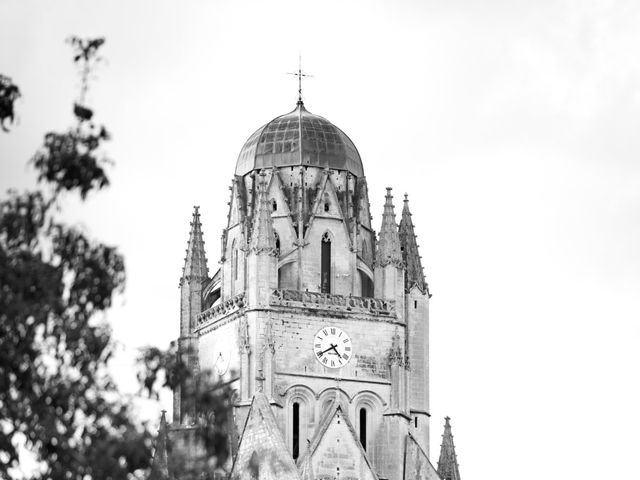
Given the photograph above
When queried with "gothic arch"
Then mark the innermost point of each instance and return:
(367, 409)
(300, 414)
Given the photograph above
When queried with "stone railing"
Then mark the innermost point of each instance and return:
(221, 309)
(325, 301)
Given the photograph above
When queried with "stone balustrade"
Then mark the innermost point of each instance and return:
(325, 301)
(221, 309)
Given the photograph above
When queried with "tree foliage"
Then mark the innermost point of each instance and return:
(9, 93)
(57, 399)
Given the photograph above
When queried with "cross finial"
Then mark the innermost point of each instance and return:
(300, 74)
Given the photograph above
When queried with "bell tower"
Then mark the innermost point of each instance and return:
(321, 328)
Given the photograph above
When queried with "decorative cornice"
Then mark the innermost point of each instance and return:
(325, 301)
(219, 310)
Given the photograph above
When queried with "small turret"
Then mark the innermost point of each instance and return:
(417, 318)
(194, 274)
(388, 266)
(448, 462)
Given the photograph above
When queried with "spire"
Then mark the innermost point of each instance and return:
(263, 239)
(300, 74)
(160, 462)
(388, 251)
(195, 263)
(410, 256)
(448, 462)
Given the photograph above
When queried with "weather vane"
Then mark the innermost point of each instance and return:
(299, 74)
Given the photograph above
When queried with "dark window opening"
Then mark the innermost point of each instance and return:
(325, 264)
(415, 304)
(277, 243)
(326, 206)
(296, 430)
(363, 428)
(274, 205)
(416, 422)
(235, 264)
(366, 284)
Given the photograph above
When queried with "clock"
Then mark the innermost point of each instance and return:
(332, 347)
(222, 357)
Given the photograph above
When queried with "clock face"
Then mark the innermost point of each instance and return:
(332, 347)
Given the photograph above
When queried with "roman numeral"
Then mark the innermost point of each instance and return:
(317, 345)
(324, 360)
(345, 356)
(346, 340)
(348, 349)
(320, 354)
(333, 331)
(333, 364)
(325, 332)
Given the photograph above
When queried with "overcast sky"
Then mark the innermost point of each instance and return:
(512, 125)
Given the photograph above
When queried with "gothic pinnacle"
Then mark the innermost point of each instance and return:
(448, 462)
(263, 238)
(388, 251)
(160, 462)
(195, 263)
(414, 272)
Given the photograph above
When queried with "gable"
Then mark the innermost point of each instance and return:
(336, 452)
(326, 202)
(262, 453)
(416, 463)
(276, 192)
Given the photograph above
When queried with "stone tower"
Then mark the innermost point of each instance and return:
(321, 325)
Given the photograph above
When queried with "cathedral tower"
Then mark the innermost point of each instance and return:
(322, 330)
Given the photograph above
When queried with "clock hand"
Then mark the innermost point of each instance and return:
(325, 351)
(335, 349)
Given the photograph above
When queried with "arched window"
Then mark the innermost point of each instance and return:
(296, 431)
(363, 427)
(325, 264)
(326, 206)
(274, 205)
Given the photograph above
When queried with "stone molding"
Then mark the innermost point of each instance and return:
(325, 301)
(222, 309)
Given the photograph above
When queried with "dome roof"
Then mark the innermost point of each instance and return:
(276, 144)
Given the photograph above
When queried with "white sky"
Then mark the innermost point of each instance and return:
(512, 125)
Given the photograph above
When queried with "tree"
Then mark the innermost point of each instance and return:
(57, 399)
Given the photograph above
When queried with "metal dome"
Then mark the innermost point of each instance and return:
(276, 144)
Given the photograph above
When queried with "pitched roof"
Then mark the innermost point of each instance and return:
(336, 434)
(414, 275)
(417, 465)
(262, 452)
(195, 263)
(448, 462)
